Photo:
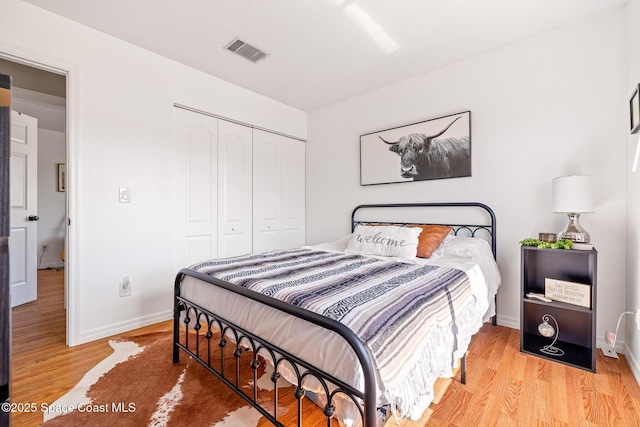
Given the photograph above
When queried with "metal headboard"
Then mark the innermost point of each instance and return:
(471, 229)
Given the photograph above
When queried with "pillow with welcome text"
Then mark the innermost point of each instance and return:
(384, 240)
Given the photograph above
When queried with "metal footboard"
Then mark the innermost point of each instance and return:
(195, 318)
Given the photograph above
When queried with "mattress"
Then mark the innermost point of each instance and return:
(406, 366)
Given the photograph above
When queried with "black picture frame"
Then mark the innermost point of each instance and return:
(634, 110)
(415, 152)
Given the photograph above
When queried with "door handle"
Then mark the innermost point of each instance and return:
(33, 217)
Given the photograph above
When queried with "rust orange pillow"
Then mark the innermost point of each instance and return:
(430, 238)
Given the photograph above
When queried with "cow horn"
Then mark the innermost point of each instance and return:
(387, 142)
(444, 130)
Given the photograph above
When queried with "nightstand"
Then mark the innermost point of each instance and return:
(576, 330)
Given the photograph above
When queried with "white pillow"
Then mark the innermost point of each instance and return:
(386, 240)
(437, 252)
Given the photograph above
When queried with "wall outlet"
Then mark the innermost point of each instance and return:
(125, 287)
(45, 248)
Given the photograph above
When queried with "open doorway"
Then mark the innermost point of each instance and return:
(42, 95)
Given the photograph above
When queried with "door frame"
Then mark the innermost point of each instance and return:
(74, 190)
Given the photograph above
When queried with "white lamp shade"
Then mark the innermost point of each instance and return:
(572, 194)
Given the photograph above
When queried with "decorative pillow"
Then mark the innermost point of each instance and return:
(386, 240)
(430, 239)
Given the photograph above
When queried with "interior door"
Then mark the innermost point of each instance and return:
(23, 199)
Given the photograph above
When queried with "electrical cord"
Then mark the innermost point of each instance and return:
(615, 336)
(40, 261)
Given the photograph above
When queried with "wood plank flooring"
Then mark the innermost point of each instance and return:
(43, 367)
(508, 388)
(504, 387)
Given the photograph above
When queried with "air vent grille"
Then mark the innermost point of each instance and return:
(245, 50)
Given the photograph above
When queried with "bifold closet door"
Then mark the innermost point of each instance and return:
(238, 190)
(293, 193)
(267, 191)
(278, 192)
(234, 189)
(196, 184)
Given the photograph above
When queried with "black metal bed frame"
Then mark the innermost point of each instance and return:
(244, 340)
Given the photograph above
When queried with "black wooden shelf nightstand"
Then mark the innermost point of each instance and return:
(573, 325)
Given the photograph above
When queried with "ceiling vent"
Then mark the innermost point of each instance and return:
(245, 50)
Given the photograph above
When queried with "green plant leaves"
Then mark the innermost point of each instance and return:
(560, 244)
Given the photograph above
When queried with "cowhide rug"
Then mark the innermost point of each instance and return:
(138, 385)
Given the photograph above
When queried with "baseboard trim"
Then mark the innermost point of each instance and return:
(509, 322)
(51, 265)
(129, 325)
(621, 346)
(634, 363)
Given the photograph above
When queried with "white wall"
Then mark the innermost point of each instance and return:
(51, 202)
(122, 97)
(632, 145)
(548, 106)
(51, 114)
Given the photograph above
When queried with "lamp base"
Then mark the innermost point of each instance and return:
(573, 231)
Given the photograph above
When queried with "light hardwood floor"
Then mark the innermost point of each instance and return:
(504, 387)
(43, 367)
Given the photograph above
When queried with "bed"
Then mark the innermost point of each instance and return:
(364, 335)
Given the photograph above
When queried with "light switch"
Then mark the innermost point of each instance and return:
(125, 195)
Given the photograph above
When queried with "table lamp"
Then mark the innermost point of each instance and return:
(573, 195)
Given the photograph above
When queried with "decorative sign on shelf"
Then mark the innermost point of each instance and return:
(569, 292)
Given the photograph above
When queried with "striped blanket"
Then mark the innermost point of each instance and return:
(391, 306)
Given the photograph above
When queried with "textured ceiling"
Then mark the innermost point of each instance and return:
(323, 51)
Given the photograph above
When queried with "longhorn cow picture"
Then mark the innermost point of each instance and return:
(433, 149)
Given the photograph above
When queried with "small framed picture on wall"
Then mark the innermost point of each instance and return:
(634, 110)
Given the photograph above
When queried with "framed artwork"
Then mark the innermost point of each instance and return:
(62, 177)
(433, 149)
(634, 110)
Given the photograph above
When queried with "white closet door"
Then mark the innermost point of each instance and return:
(293, 193)
(234, 189)
(196, 155)
(267, 191)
